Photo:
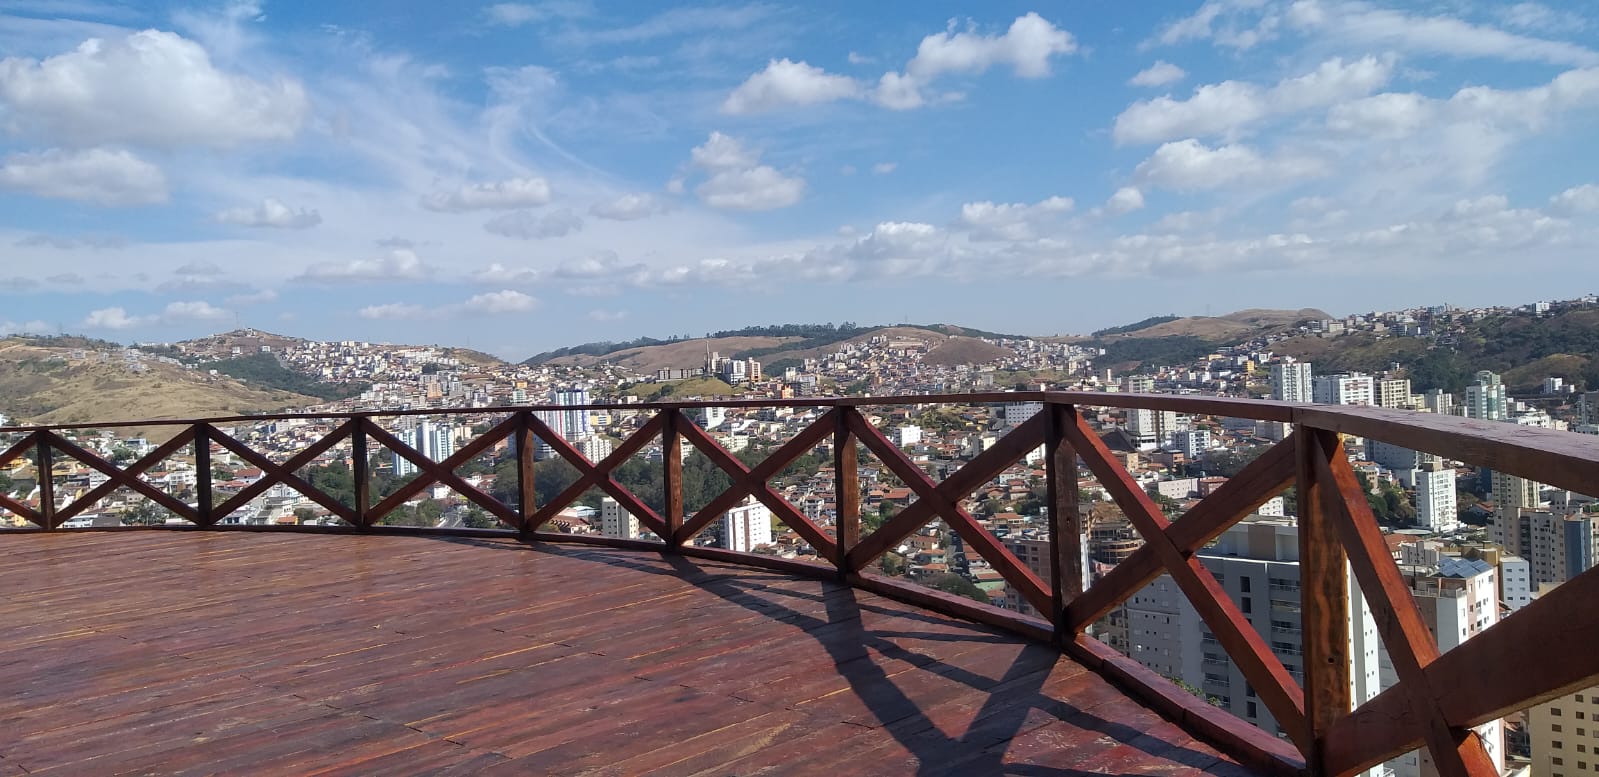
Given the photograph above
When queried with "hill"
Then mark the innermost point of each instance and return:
(965, 350)
(53, 380)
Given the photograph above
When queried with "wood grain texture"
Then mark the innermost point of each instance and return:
(203, 652)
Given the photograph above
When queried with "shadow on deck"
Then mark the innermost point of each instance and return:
(205, 652)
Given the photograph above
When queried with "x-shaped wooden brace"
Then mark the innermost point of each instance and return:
(943, 499)
(1457, 751)
(430, 471)
(129, 476)
(1257, 482)
(123, 477)
(747, 481)
(7, 457)
(273, 474)
(599, 474)
(1264, 671)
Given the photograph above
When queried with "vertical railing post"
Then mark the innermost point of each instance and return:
(526, 493)
(202, 475)
(672, 475)
(359, 472)
(1065, 518)
(1324, 595)
(846, 491)
(47, 486)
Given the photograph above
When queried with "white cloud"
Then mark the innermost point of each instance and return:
(884, 168)
(397, 311)
(271, 213)
(738, 182)
(1188, 165)
(607, 315)
(149, 88)
(1537, 16)
(786, 83)
(857, 58)
(1368, 25)
(8, 328)
(1011, 221)
(1027, 47)
(497, 273)
(1126, 200)
(530, 226)
(193, 311)
(629, 207)
(1219, 109)
(400, 264)
(498, 302)
(495, 195)
(261, 297)
(111, 318)
(1159, 74)
(101, 176)
(1576, 200)
(520, 14)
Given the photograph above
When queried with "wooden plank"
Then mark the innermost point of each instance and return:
(846, 490)
(430, 471)
(359, 464)
(1555, 458)
(204, 496)
(1457, 752)
(44, 465)
(961, 483)
(1256, 483)
(598, 474)
(1017, 574)
(273, 474)
(1323, 592)
(128, 478)
(754, 481)
(526, 495)
(1232, 629)
(1065, 519)
(672, 474)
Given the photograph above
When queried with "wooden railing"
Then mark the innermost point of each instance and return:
(1540, 652)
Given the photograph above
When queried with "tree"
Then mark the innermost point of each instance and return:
(304, 515)
(893, 564)
(477, 519)
(955, 584)
(121, 455)
(144, 513)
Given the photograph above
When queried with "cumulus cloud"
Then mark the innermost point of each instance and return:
(261, 297)
(1189, 165)
(193, 311)
(492, 303)
(497, 273)
(1159, 74)
(1126, 200)
(530, 226)
(737, 180)
(520, 14)
(884, 168)
(629, 207)
(400, 264)
(111, 318)
(97, 175)
(787, 83)
(1219, 109)
(8, 328)
(1576, 200)
(270, 213)
(148, 88)
(1026, 47)
(118, 318)
(1365, 24)
(1011, 221)
(607, 315)
(495, 195)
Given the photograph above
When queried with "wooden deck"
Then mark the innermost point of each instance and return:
(234, 652)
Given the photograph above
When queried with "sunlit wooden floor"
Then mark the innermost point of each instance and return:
(234, 652)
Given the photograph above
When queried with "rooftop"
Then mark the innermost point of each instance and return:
(276, 653)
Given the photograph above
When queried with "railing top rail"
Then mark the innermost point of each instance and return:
(1554, 458)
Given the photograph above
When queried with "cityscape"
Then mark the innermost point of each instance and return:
(1474, 545)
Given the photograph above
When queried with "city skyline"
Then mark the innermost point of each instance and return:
(492, 175)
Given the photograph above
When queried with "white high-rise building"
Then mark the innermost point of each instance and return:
(1486, 398)
(747, 526)
(1257, 563)
(1394, 393)
(1512, 495)
(433, 440)
(571, 425)
(616, 522)
(1458, 599)
(1149, 429)
(1435, 498)
(1354, 389)
(1018, 413)
(1192, 442)
(1291, 381)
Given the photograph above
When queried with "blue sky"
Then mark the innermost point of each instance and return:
(520, 176)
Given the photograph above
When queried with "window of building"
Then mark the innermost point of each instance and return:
(1554, 712)
(1581, 715)
(1579, 697)
(1557, 744)
(1555, 727)
(1249, 709)
(1247, 608)
(1243, 585)
(1558, 761)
